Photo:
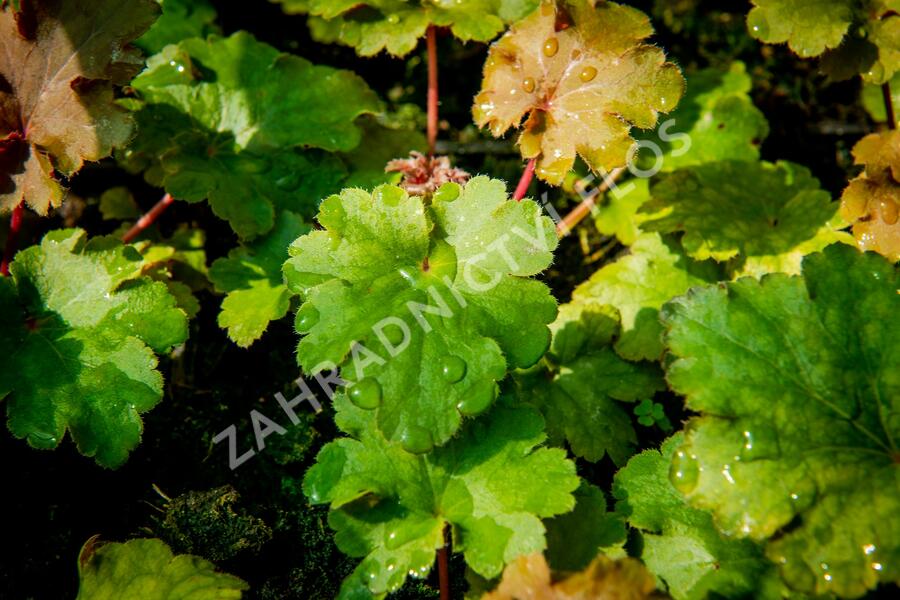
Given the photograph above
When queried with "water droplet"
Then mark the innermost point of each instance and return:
(528, 85)
(889, 212)
(366, 393)
(760, 441)
(416, 440)
(803, 494)
(684, 472)
(453, 368)
(798, 574)
(393, 19)
(42, 440)
(393, 333)
(307, 317)
(551, 47)
(477, 400)
(869, 549)
(587, 74)
(758, 24)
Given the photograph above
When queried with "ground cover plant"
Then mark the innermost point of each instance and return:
(502, 299)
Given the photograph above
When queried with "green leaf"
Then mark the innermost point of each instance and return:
(637, 285)
(797, 383)
(79, 340)
(251, 279)
(147, 569)
(226, 119)
(397, 25)
(719, 118)
(860, 36)
(390, 507)
(430, 305)
(579, 88)
(808, 26)
(765, 216)
(680, 544)
(575, 538)
(580, 387)
(180, 19)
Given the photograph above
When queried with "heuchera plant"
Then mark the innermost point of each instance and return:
(713, 412)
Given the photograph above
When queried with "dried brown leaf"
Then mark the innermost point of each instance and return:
(58, 63)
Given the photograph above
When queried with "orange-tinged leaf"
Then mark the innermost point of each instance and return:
(528, 578)
(58, 63)
(581, 77)
(872, 200)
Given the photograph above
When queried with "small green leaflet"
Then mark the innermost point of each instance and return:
(580, 384)
(180, 20)
(764, 217)
(79, 344)
(147, 569)
(251, 277)
(873, 100)
(680, 544)
(228, 118)
(424, 307)
(492, 484)
(397, 25)
(638, 284)
(797, 383)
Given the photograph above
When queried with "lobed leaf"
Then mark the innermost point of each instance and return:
(390, 507)
(226, 119)
(58, 64)
(579, 87)
(147, 569)
(580, 386)
(872, 201)
(80, 340)
(796, 383)
(397, 25)
(767, 216)
(424, 307)
(251, 279)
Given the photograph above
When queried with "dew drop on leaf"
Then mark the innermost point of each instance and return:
(760, 442)
(307, 317)
(587, 74)
(888, 210)
(803, 494)
(758, 24)
(477, 401)
(42, 440)
(684, 472)
(551, 47)
(528, 85)
(366, 393)
(416, 440)
(453, 368)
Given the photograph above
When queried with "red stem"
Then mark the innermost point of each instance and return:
(15, 223)
(889, 105)
(431, 38)
(525, 181)
(148, 219)
(443, 565)
(587, 205)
